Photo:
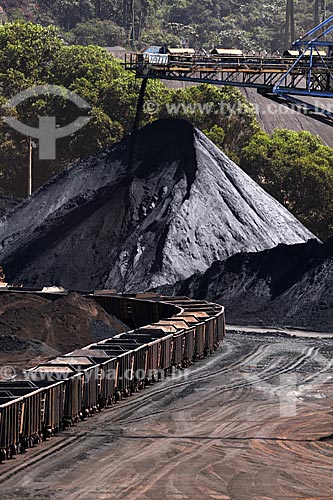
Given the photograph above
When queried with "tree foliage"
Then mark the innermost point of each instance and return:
(297, 169)
(294, 167)
(255, 24)
(31, 55)
(97, 32)
(215, 109)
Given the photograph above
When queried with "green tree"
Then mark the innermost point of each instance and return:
(207, 106)
(297, 169)
(26, 55)
(32, 55)
(294, 167)
(96, 32)
(71, 12)
(217, 135)
(255, 24)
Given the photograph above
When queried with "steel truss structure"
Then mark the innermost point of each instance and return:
(308, 74)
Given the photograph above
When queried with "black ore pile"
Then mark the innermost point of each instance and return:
(179, 206)
(64, 324)
(7, 204)
(287, 285)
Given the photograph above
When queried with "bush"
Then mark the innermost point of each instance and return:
(297, 169)
(96, 32)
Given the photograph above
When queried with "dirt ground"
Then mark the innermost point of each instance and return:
(34, 329)
(254, 421)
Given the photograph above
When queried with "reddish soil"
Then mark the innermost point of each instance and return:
(253, 422)
(33, 328)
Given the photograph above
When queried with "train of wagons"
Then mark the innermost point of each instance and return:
(166, 334)
(163, 56)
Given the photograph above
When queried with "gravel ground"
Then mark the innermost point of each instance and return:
(251, 422)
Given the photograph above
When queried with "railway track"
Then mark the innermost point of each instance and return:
(41, 454)
(190, 434)
(168, 333)
(117, 412)
(222, 377)
(265, 376)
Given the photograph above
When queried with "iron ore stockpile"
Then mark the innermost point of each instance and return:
(34, 327)
(137, 220)
(284, 286)
(164, 210)
(168, 334)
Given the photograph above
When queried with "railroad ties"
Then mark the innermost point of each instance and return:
(167, 334)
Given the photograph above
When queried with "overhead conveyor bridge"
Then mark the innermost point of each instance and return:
(304, 71)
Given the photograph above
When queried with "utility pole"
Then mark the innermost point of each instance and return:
(292, 20)
(126, 9)
(133, 22)
(319, 11)
(289, 34)
(31, 146)
(316, 12)
(30, 168)
(98, 9)
(2, 15)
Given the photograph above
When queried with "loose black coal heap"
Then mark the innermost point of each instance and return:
(287, 285)
(179, 206)
(7, 204)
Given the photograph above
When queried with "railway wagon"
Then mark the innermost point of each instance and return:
(160, 346)
(123, 369)
(117, 374)
(70, 387)
(27, 420)
(106, 372)
(117, 364)
(29, 413)
(133, 310)
(150, 354)
(89, 379)
(200, 334)
(160, 56)
(9, 426)
(173, 351)
(173, 345)
(72, 383)
(213, 311)
(145, 356)
(208, 335)
(107, 382)
(54, 403)
(231, 57)
(188, 336)
(294, 54)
